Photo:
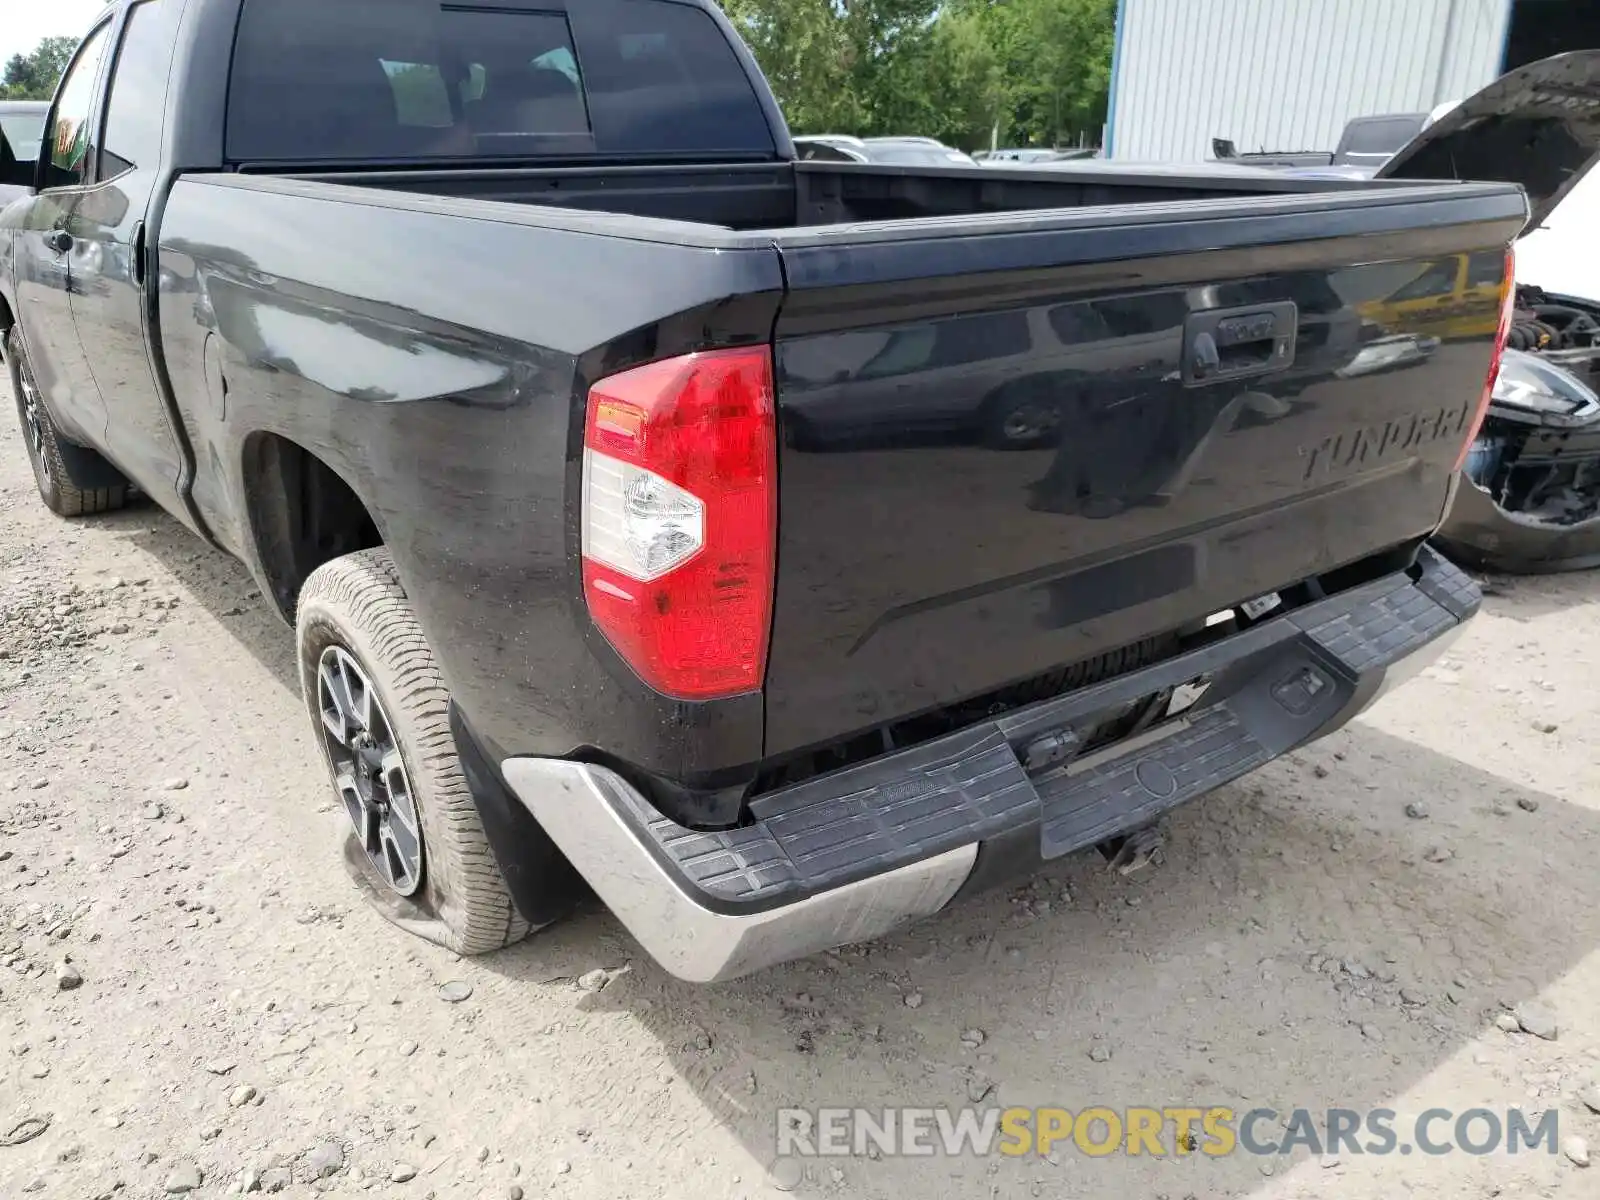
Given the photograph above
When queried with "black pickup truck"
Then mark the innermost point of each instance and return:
(784, 548)
(1367, 142)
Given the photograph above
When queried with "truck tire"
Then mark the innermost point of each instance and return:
(380, 713)
(45, 446)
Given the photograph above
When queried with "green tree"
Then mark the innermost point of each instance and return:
(34, 76)
(802, 49)
(966, 71)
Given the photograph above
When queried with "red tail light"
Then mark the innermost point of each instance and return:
(680, 519)
(1508, 303)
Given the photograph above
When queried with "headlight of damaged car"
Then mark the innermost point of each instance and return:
(1528, 382)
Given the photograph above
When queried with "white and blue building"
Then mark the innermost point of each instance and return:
(1287, 74)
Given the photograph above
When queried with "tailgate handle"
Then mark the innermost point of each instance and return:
(1235, 343)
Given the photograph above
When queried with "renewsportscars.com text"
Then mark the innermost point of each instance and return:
(1169, 1130)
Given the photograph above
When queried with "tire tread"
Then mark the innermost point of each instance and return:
(362, 591)
(62, 498)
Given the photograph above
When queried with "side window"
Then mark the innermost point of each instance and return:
(68, 135)
(906, 350)
(137, 103)
(1486, 269)
(980, 338)
(952, 343)
(1078, 322)
(1131, 316)
(1437, 280)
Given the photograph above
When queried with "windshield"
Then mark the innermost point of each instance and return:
(23, 131)
(1380, 135)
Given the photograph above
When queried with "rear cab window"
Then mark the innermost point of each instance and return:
(414, 80)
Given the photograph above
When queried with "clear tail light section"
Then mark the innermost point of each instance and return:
(1508, 304)
(679, 519)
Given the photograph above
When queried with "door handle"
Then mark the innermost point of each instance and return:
(1238, 343)
(58, 240)
(136, 253)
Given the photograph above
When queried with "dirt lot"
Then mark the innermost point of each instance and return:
(244, 1021)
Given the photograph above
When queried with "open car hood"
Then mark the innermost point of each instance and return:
(1538, 125)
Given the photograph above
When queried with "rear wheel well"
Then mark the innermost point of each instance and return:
(302, 513)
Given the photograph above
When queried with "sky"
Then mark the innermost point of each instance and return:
(24, 22)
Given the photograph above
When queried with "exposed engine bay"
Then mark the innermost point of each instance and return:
(1565, 330)
(1538, 455)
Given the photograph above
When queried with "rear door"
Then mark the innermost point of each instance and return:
(115, 265)
(1195, 426)
(47, 249)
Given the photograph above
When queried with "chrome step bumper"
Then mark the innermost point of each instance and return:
(851, 855)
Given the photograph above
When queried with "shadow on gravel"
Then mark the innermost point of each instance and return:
(216, 581)
(1194, 984)
(1261, 965)
(1529, 597)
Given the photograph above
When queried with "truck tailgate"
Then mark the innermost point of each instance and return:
(1015, 443)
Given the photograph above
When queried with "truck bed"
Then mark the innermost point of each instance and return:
(766, 195)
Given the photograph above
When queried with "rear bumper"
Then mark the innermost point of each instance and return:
(851, 855)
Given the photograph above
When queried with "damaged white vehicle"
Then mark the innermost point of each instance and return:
(1529, 497)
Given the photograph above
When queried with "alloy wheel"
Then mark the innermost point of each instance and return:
(369, 770)
(29, 406)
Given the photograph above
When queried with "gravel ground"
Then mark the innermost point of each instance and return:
(194, 998)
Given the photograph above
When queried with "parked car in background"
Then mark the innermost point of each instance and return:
(1039, 158)
(1366, 142)
(830, 147)
(1529, 498)
(1033, 154)
(891, 151)
(914, 152)
(1014, 154)
(1446, 300)
(22, 122)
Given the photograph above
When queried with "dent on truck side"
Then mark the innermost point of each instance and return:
(438, 365)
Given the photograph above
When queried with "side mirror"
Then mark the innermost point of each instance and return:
(14, 171)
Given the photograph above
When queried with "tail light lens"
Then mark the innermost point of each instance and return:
(680, 519)
(1508, 304)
